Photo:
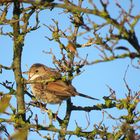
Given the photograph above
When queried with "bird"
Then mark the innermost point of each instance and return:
(48, 86)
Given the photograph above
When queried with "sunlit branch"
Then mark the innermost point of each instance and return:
(107, 59)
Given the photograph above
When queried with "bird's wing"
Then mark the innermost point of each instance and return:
(61, 88)
(53, 73)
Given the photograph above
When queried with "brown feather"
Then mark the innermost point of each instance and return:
(61, 88)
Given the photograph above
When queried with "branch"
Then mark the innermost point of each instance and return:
(95, 107)
(77, 132)
(43, 107)
(28, 1)
(18, 40)
(125, 55)
(5, 67)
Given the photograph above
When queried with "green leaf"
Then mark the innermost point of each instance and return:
(21, 134)
(4, 102)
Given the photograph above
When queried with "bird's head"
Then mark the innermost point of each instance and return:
(35, 71)
(38, 69)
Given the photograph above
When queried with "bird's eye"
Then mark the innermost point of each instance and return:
(36, 71)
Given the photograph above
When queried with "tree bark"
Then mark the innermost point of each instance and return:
(17, 52)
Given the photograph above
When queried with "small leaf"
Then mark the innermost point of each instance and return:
(4, 102)
(71, 47)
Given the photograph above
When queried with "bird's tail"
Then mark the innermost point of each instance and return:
(86, 96)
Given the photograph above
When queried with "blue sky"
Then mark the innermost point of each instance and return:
(93, 81)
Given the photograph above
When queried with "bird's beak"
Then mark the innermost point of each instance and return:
(25, 72)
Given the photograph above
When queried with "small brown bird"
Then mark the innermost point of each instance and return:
(54, 91)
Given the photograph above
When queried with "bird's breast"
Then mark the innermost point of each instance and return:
(45, 95)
